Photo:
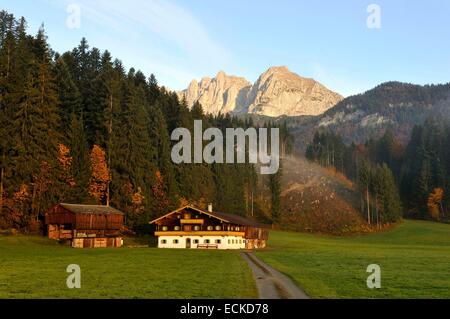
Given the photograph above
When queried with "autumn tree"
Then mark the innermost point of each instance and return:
(64, 181)
(161, 201)
(100, 175)
(18, 206)
(435, 203)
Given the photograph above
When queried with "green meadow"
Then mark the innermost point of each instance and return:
(35, 267)
(414, 258)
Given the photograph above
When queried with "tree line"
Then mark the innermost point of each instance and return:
(77, 127)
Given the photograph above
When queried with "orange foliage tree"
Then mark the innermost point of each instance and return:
(65, 160)
(435, 203)
(158, 188)
(137, 200)
(100, 177)
(18, 206)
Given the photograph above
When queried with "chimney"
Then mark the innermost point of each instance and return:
(210, 207)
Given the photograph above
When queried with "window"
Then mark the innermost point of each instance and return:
(218, 241)
(207, 241)
(229, 241)
(218, 227)
(237, 228)
(175, 241)
(196, 241)
(209, 228)
(164, 228)
(196, 227)
(232, 241)
(163, 241)
(176, 228)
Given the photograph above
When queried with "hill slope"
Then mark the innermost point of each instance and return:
(316, 199)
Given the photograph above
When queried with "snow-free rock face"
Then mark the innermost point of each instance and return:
(277, 92)
(222, 94)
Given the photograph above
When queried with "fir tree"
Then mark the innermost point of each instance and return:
(275, 191)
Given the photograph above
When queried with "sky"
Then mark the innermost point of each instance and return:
(349, 46)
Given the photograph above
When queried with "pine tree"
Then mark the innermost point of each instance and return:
(131, 145)
(68, 93)
(7, 50)
(36, 122)
(275, 191)
(390, 198)
(160, 150)
(81, 166)
(364, 177)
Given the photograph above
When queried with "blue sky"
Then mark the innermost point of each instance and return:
(326, 40)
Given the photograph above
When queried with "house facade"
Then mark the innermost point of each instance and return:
(85, 226)
(190, 227)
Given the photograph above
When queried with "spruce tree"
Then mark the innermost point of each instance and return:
(68, 93)
(275, 193)
(81, 167)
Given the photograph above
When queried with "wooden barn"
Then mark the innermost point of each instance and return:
(86, 226)
(192, 228)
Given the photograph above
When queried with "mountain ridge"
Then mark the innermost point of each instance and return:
(396, 106)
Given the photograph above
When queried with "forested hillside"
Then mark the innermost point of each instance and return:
(393, 105)
(386, 172)
(77, 127)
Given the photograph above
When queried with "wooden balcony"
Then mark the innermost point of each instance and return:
(192, 221)
(200, 233)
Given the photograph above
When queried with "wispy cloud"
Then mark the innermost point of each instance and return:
(172, 34)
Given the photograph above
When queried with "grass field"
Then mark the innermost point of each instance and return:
(414, 259)
(35, 267)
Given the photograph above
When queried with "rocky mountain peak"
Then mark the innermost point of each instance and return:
(277, 69)
(278, 91)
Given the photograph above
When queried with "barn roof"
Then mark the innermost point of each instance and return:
(229, 218)
(90, 209)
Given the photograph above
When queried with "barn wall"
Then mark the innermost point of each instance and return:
(97, 242)
(59, 215)
(97, 221)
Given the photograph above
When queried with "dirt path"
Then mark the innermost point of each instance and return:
(271, 283)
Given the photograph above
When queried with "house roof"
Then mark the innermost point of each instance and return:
(90, 209)
(228, 218)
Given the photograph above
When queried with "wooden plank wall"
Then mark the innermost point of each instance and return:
(97, 242)
(97, 221)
